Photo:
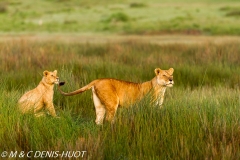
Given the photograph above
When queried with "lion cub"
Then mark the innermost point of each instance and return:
(40, 97)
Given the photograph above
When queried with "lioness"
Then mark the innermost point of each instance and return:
(108, 94)
(40, 97)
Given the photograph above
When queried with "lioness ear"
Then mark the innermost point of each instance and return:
(45, 73)
(157, 71)
(55, 71)
(171, 70)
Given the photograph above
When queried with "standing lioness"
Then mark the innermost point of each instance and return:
(40, 97)
(108, 94)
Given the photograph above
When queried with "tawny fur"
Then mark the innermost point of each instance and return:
(41, 97)
(109, 94)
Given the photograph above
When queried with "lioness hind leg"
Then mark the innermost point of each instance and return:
(99, 107)
(111, 107)
(100, 113)
(111, 112)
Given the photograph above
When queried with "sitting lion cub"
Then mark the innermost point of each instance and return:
(40, 97)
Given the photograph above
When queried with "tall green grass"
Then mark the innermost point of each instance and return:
(199, 118)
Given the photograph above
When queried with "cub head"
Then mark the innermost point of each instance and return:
(164, 77)
(50, 77)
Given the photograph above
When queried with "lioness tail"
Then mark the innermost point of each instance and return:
(87, 87)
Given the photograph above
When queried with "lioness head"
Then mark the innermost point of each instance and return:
(164, 77)
(50, 77)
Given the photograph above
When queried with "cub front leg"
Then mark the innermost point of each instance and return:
(51, 109)
(40, 114)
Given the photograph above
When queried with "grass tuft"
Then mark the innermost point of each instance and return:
(233, 13)
(117, 17)
(3, 7)
(137, 5)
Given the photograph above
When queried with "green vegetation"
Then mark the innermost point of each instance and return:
(231, 11)
(120, 17)
(199, 119)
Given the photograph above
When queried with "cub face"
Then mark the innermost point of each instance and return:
(50, 77)
(165, 77)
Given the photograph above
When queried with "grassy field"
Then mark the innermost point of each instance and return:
(123, 39)
(208, 17)
(200, 118)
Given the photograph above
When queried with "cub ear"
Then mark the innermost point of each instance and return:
(171, 70)
(55, 71)
(45, 73)
(157, 71)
